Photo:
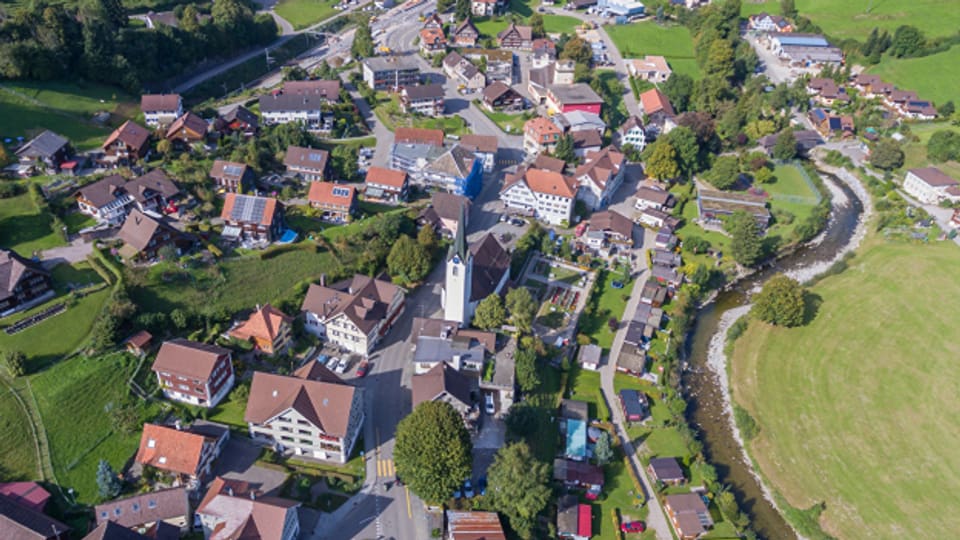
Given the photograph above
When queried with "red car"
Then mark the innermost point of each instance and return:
(363, 368)
(633, 527)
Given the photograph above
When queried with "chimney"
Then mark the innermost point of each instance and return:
(230, 491)
(178, 425)
(457, 362)
(323, 280)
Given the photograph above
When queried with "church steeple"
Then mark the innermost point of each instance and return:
(460, 241)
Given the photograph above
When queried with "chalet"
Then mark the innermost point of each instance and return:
(653, 294)
(390, 73)
(194, 373)
(540, 135)
(578, 474)
(186, 454)
(267, 328)
(829, 124)
(666, 470)
(20, 522)
(465, 34)
(713, 205)
(516, 37)
(240, 120)
(443, 213)
(23, 283)
(44, 153)
(230, 176)
(689, 515)
(484, 147)
(657, 199)
(764, 22)
(143, 236)
(232, 509)
(632, 132)
(574, 520)
(432, 40)
(652, 69)
(634, 404)
(425, 99)
(499, 96)
(338, 202)
(165, 508)
(547, 195)
(386, 185)
(188, 128)
(251, 219)
(573, 97)
(353, 314)
(930, 185)
(111, 198)
(474, 526)
(126, 144)
(599, 177)
(307, 164)
(160, 109)
(445, 383)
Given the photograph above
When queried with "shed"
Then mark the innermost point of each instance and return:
(666, 470)
(589, 356)
(634, 405)
(139, 343)
(574, 410)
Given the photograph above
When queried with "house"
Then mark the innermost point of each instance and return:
(712, 206)
(666, 275)
(657, 199)
(338, 202)
(632, 132)
(284, 108)
(502, 385)
(688, 514)
(621, 8)
(144, 235)
(461, 70)
(826, 91)
(465, 34)
(186, 454)
(432, 40)
(499, 96)
(28, 494)
(188, 128)
(327, 90)
(540, 135)
(126, 144)
(146, 511)
(483, 8)
(111, 198)
(303, 416)
(656, 106)
(232, 510)
(108, 530)
(829, 124)
(599, 177)
(462, 351)
(764, 22)
(615, 227)
(385, 185)
(583, 4)
(633, 403)
(474, 526)
(544, 53)
(240, 120)
(574, 410)
(445, 383)
(573, 519)
(425, 99)
(247, 218)
(307, 164)
(414, 148)
(499, 62)
(547, 195)
(665, 239)
(353, 314)
(665, 257)
(589, 356)
(559, 73)
(650, 68)
(919, 110)
(23, 283)
(443, 213)
(230, 176)
(578, 474)
(390, 72)
(577, 121)
(930, 185)
(807, 140)
(20, 522)
(160, 109)
(576, 440)
(484, 147)
(516, 37)
(654, 218)
(194, 373)
(433, 21)
(472, 274)
(458, 170)
(267, 328)
(44, 153)
(565, 98)
(586, 142)
(666, 470)
(440, 328)
(653, 294)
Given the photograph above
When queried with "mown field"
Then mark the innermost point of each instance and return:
(915, 153)
(304, 13)
(23, 228)
(933, 77)
(672, 42)
(859, 409)
(851, 18)
(18, 458)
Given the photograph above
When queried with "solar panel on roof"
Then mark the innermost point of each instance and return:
(341, 192)
(316, 156)
(233, 170)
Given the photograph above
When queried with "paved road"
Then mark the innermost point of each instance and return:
(75, 251)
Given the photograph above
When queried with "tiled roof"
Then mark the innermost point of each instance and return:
(540, 126)
(654, 101)
(170, 449)
(44, 145)
(130, 134)
(12, 269)
(188, 358)
(490, 263)
(18, 522)
(324, 88)
(312, 158)
(424, 91)
(441, 378)
(363, 300)
(249, 209)
(159, 102)
(330, 194)
(244, 515)
(138, 229)
(479, 143)
(228, 170)
(474, 526)
(933, 177)
(190, 121)
(264, 323)
(145, 508)
(418, 136)
(386, 177)
(456, 162)
(611, 220)
(326, 405)
(29, 494)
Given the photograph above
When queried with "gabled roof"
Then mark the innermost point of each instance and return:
(284, 101)
(540, 126)
(423, 91)
(12, 269)
(154, 182)
(651, 63)
(480, 143)
(266, 322)
(496, 90)
(543, 45)
(657, 196)
(655, 101)
(474, 526)
(159, 102)
(525, 33)
(386, 177)
(549, 163)
(321, 87)
(109, 530)
(19, 522)
(317, 371)
(456, 162)
(170, 449)
(363, 300)
(453, 59)
(330, 194)
(145, 507)
(490, 263)
(326, 405)
(550, 183)
(188, 358)
(29, 494)
(447, 205)
(432, 35)
(441, 379)
(440, 328)
(241, 114)
(228, 170)
(611, 220)
(586, 138)
(190, 121)
(467, 24)
(249, 209)
(130, 134)
(244, 516)
(44, 145)
(138, 229)
(600, 166)
(933, 177)
(313, 158)
(666, 468)
(407, 135)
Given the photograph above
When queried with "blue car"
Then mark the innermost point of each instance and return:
(457, 494)
(482, 485)
(468, 489)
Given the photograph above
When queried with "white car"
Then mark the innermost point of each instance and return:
(343, 366)
(332, 362)
(488, 404)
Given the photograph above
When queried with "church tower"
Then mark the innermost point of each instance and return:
(456, 290)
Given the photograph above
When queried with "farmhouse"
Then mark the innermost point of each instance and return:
(425, 99)
(194, 373)
(247, 218)
(386, 185)
(516, 37)
(499, 95)
(160, 109)
(308, 164)
(267, 328)
(930, 185)
(230, 176)
(713, 205)
(45, 153)
(144, 235)
(465, 34)
(187, 454)
(232, 510)
(432, 40)
(338, 202)
(23, 283)
(165, 509)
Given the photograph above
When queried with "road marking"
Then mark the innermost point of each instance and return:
(409, 512)
(385, 468)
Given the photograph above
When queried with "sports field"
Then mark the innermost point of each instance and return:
(932, 77)
(859, 408)
(672, 42)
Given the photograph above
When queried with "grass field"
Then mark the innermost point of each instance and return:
(673, 42)
(925, 75)
(790, 193)
(560, 24)
(23, 227)
(859, 408)
(304, 13)
(18, 459)
(490, 27)
(850, 19)
(507, 122)
(915, 153)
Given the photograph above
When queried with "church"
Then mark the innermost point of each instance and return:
(473, 273)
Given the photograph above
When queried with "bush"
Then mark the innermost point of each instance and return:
(745, 423)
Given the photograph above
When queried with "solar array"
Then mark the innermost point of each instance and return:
(233, 170)
(248, 209)
(315, 156)
(341, 192)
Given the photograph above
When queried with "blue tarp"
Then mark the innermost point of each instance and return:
(576, 440)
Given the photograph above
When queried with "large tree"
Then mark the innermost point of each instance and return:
(683, 140)
(526, 367)
(565, 150)
(522, 308)
(519, 487)
(746, 245)
(886, 155)
(944, 145)
(678, 89)
(537, 29)
(661, 161)
(433, 451)
(578, 50)
(108, 483)
(408, 261)
(490, 313)
(780, 302)
(907, 41)
(786, 146)
(461, 9)
(363, 41)
(724, 173)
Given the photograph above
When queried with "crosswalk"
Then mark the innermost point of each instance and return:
(385, 468)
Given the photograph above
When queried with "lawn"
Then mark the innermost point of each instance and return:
(753, 7)
(859, 408)
(23, 228)
(64, 108)
(544, 440)
(925, 75)
(791, 193)
(230, 412)
(19, 458)
(507, 122)
(491, 26)
(915, 153)
(560, 24)
(73, 398)
(673, 42)
(851, 19)
(392, 116)
(304, 13)
(605, 303)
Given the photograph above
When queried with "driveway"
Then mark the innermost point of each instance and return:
(75, 251)
(237, 462)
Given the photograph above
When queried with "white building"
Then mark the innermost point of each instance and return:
(599, 177)
(161, 109)
(930, 185)
(633, 133)
(473, 274)
(547, 195)
(304, 109)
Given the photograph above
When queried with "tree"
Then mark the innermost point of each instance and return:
(725, 172)
(695, 245)
(363, 41)
(461, 9)
(780, 302)
(720, 59)
(564, 149)
(519, 487)
(15, 362)
(165, 147)
(661, 161)
(763, 175)
(433, 451)
(786, 146)
(522, 308)
(603, 451)
(490, 313)
(582, 73)
(408, 260)
(527, 377)
(944, 145)
(907, 41)
(759, 128)
(678, 89)
(345, 162)
(947, 109)
(578, 50)
(788, 9)
(444, 5)
(536, 26)
(107, 481)
(886, 154)
(683, 140)
(745, 245)
(427, 237)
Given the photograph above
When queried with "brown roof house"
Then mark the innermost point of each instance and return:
(303, 416)
(353, 314)
(615, 227)
(144, 236)
(516, 37)
(657, 107)
(338, 202)
(443, 212)
(545, 194)
(432, 40)
(386, 185)
(484, 147)
(600, 176)
(474, 526)
(499, 96)
(231, 510)
(250, 219)
(160, 109)
(145, 511)
(465, 34)
(230, 176)
(110, 199)
(23, 283)
(650, 197)
(308, 164)
(689, 515)
(20, 522)
(666, 470)
(237, 120)
(186, 454)
(29, 494)
(44, 153)
(194, 373)
(269, 329)
(187, 129)
(425, 99)
(109, 530)
(445, 383)
(127, 144)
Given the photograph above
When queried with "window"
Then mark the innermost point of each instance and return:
(162, 460)
(136, 507)
(117, 511)
(152, 443)
(103, 515)
(152, 503)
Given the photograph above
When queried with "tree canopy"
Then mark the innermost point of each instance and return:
(786, 146)
(108, 483)
(519, 487)
(746, 246)
(724, 173)
(780, 302)
(661, 161)
(490, 313)
(522, 307)
(433, 451)
(526, 368)
(886, 154)
(409, 261)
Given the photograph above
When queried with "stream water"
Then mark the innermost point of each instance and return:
(705, 391)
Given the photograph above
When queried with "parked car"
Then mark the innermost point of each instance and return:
(343, 366)
(518, 222)
(488, 404)
(363, 368)
(468, 489)
(332, 362)
(482, 485)
(633, 527)
(457, 493)
(504, 217)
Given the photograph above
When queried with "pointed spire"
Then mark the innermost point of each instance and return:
(460, 242)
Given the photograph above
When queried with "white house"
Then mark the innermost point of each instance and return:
(930, 185)
(547, 195)
(633, 133)
(599, 177)
(161, 109)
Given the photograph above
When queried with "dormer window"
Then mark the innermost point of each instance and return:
(152, 443)
(162, 460)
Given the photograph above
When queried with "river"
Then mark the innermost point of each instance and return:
(706, 392)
